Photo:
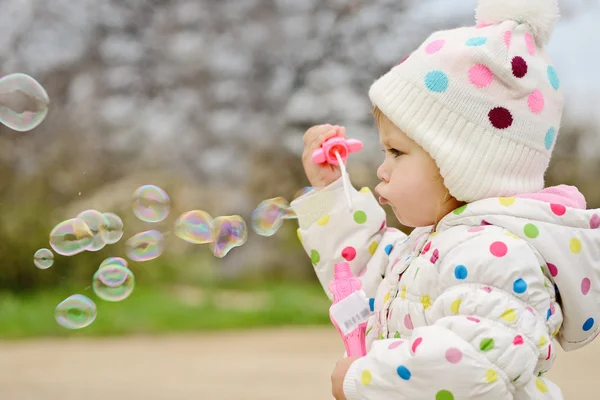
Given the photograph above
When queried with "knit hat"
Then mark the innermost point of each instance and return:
(484, 101)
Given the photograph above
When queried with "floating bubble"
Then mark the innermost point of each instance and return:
(303, 191)
(43, 258)
(145, 246)
(151, 203)
(97, 222)
(114, 260)
(113, 281)
(70, 237)
(113, 231)
(268, 217)
(228, 232)
(194, 227)
(75, 312)
(23, 102)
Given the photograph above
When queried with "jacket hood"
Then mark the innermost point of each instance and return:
(555, 222)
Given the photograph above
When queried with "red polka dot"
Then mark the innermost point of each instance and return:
(549, 351)
(382, 225)
(416, 344)
(558, 209)
(485, 223)
(435, 256)
(349, 253)
(426, 248)
(404, 59)
(500, 118)
(519, 67)
(498, 249)
(518, 340)
(553, 270)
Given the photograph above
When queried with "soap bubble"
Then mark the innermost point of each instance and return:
(145, 246)
(228, 232)
(151, 203)
(303, 191)
(97, 222)
(23, 102)
(70, 237)
(114, 260)
(43, 258)
(194, 227)
(268, 217)
(113, 281)
(113, 231)
(75, 312)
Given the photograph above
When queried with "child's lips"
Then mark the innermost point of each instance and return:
(383, 201)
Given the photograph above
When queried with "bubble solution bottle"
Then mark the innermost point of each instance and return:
(349, 309)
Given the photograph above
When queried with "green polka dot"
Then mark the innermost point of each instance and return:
(381, 336)
(360, 217)
(486, 344)
(444, 395)
(315, 257)
(460, 210)
(397, 335)
(531, 231)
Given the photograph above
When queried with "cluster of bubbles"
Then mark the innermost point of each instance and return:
(23, 102)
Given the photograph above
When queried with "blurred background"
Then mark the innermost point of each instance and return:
(208, 99)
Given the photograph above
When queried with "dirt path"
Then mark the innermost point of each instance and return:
(290, 364)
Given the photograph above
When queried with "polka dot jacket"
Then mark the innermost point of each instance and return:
(472, 310)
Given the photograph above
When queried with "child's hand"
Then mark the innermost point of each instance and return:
(320, 175)
(338, 376)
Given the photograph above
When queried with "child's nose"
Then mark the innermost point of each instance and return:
(382, 173)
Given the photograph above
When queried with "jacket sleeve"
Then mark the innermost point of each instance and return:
(332, 232)
(485, 333)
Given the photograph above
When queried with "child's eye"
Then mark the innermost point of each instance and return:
(394, 152)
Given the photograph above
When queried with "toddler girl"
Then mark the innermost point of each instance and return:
(498, 269)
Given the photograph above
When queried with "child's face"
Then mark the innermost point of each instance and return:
(410, 180)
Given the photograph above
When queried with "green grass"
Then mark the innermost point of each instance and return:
(165, 310)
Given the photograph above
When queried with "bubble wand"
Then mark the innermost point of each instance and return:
(350, 307)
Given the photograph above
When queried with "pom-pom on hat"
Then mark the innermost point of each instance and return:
(485, 101)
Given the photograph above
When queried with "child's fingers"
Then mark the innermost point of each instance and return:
(313, 133)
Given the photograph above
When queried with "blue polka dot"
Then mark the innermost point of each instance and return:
(403, 372)
(388, 249)
(520, 286)
(476, 41)
(548, 314)
(436, 81)
(553, 77)
(587, 325)
(372, 304)
(549, 139)
(460, 272)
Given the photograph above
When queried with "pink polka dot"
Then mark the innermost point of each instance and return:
(416, 344)
(518, 340)
(476, 229)
(536, 102)
(363, 272)
(553, 270)
(585, 286)
(382, 225)
(395, 263)
(482, 25)
(507, 38)
(549, 352)
(408, 322)
(530, 43)
(530, 310)
(558, 209)
(453, 355)
(487, 289)
(473, 319)
(595, 222)
(480, 76)
(498, 249)
(552, 309)
(395, 344)
(349, 253)
(435, 46)
(390, 229)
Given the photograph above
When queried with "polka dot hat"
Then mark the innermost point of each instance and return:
(485, 101)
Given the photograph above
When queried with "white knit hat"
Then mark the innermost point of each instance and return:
(485, 101)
